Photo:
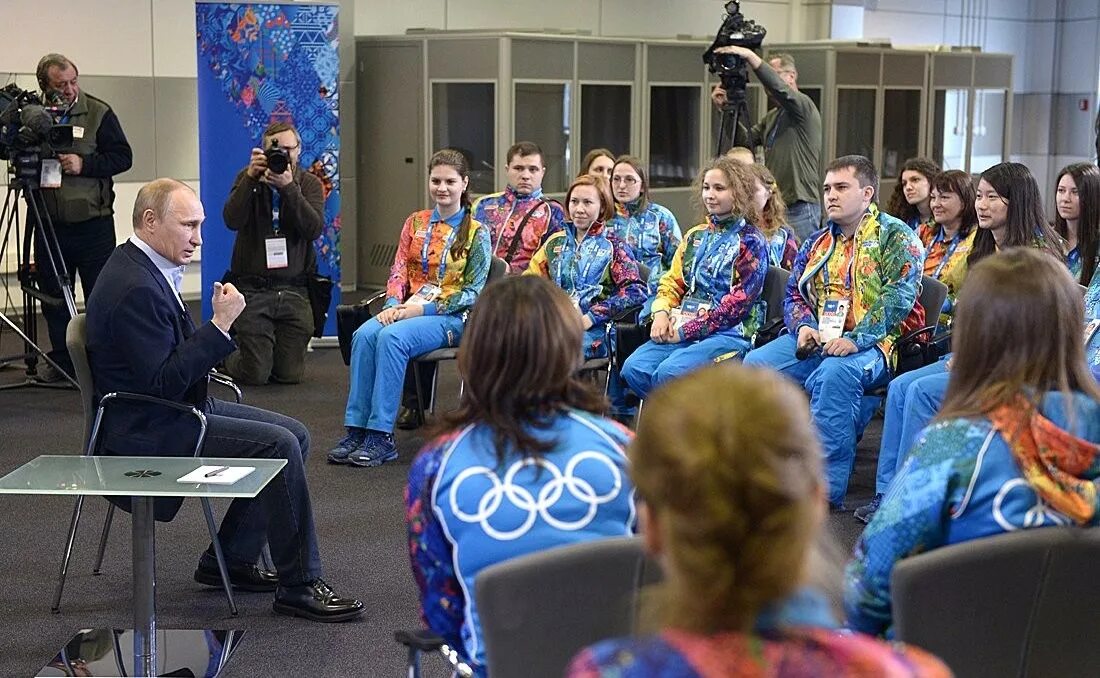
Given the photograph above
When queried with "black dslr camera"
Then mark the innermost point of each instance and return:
(278, 159)
(28, 133)
(731, 69)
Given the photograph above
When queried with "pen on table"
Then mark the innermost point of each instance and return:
(215, 472)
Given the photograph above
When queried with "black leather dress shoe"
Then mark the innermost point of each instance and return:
(407, 418)
(316, 602)
(241, 577)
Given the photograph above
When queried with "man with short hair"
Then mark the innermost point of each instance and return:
(851, 294)
(519, 216)
(790, 134)
(78, 192)
(277, 216)
(141, 339)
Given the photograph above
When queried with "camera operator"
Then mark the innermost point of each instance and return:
(79, 196)
(790, 134)
(277, 216)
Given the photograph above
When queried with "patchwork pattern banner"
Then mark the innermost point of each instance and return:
(260, 63)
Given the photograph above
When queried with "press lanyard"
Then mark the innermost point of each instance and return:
(589, 260)
(447, 244)
(275, 201)
(950, 251)
(848, 276)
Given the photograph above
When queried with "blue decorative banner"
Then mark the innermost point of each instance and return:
(259, 64)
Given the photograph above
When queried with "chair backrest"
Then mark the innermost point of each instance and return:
(539, 610)
(643, 272)
(932, 295)
(76, 340)
(1017, 604)
(775, 288)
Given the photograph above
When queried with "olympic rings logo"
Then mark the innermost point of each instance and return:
(547, 496)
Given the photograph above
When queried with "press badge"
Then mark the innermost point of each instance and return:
(425, 295)
(831, 324)
(51, 173)
(276, 253)
(78, 132)
(1090, 329)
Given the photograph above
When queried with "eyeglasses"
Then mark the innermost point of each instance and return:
(626, 181)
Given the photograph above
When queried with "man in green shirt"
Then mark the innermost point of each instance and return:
(790, 134)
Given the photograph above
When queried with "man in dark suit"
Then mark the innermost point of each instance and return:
(141, 339)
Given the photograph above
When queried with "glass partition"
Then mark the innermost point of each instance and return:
(464, 118)
(901, 135)
(855, 122)
(753, 93)
(987, 143)
(949, 123)
(673, 135)
(605, 118)
(542, 116)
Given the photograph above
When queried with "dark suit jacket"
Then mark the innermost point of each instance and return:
(141, 341)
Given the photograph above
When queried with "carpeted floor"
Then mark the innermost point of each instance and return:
(358, 513)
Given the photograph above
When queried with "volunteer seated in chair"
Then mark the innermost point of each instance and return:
(596, 269)
(442, 262)
(706, 303)
(851, 294)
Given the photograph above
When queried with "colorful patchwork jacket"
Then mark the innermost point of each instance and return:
(502, 213)
(946, 261)
(782, 248)
(599, 272)
(960, 482)
(424, 258)
(1092, 312)
(723, 263)
(652, 233)
(885, 277)
(465, 511)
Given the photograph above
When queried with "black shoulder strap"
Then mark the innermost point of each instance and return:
(518, 237)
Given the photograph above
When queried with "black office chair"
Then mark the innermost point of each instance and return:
(915, 349)
(1017, 604)
(76, 342)
(628, 317)
(775, 289)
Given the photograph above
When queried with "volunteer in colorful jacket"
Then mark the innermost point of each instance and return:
(519, 217)
(1017, 443)
(1077, 217)
(706, 304)
(650, 229)
(782, 242)
(595, 268)
(441, 264)
(851, 294)
(949, 238)
(527, 463)
(911, 199)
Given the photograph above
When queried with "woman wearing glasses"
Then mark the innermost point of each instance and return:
(650, 229)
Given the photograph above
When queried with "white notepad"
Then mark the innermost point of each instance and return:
(227, 477)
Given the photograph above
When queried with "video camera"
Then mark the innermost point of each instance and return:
(28, 132)
(278, 159)
(730, 68)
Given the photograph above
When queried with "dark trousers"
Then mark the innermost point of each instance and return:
(85, 247)
(281, 513)
(272, 334)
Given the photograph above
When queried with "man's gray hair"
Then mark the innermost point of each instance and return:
(49, 61)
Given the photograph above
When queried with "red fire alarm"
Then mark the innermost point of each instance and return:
(1083, 104)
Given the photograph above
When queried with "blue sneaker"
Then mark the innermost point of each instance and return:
(347, 445)
(376, 449)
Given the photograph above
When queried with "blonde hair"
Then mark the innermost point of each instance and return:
(742, 155)
(774, 214)
(742, 185)
(734, 485)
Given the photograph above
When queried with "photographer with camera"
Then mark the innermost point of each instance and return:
(277, 210)
(790, 134)
(78, 192)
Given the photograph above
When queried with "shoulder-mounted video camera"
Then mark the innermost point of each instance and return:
(27, 124)
(731, 69)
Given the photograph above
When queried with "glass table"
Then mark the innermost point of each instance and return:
(144, 479)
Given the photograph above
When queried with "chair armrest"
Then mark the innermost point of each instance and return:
(226, 381)
(630, 313)
(420, 639)
(118, 396)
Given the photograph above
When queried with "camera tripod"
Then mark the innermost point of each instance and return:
(734, 111)
(38, 223)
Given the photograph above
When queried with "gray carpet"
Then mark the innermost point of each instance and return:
(359, 519)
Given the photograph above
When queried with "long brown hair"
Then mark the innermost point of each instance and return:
(1025, 223)
(898, 206)
(959, 183)
(774, 213)
(454, 159)
(742, 185)
(1017, 331)
(519, 360)
(734, 485)
(1086, 177)
(639, 167)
